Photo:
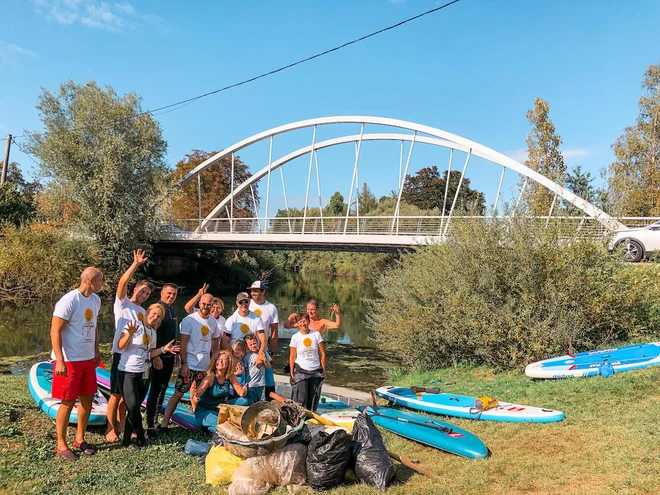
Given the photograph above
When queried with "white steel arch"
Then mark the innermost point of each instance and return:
(438, 138)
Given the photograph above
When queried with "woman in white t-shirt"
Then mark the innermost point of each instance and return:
(307, 363)
(137, 346)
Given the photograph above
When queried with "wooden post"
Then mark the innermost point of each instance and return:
(5, 163)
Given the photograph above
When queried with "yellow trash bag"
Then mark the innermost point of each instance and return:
(220, 466)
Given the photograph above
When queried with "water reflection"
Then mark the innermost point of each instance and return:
(25, 330)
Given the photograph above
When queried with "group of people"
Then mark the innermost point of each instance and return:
(220, 361)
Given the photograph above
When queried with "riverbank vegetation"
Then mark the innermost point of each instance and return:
(505, 294)
(606, 444)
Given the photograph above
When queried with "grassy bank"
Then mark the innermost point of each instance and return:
(607, 444)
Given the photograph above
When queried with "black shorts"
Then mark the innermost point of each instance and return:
(183, 383)
(115, 387)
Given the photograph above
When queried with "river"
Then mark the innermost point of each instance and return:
(353, 360)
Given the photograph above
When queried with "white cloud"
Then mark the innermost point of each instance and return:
(569, 154)
(11, 53)
(96, 14)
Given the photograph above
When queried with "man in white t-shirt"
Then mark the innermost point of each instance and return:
(199, 336)
(242, 322)
(125, 310)
(74, 336)
(270, 317)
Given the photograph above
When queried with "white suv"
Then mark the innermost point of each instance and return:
(636, 244)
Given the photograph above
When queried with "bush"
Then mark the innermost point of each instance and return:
(506, 294)
(37, 263)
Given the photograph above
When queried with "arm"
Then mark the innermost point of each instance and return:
(183, 352)
(290, 322)
(97, 352)
(190, 305)
(322, 356)
(56, 328)
(127, 334)
(225, 342)
(122, 287)
(262, 339)
(293, 353)
(329, 324)
(273, 337)
(169, 347)
(241, 390)
(215, 343)
(197, 392)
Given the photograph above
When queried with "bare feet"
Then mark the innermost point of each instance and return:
(111, 437)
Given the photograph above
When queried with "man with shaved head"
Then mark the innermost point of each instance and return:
(74, 336)
(199, 335)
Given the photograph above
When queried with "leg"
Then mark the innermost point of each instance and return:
(239, 401)
(114, 417)
(270, 382)
(206, 417)
(314, 392)
(131, 394)
(62, 422)
(159, 381)
(84, 410)
(171, 406)
(299, 392)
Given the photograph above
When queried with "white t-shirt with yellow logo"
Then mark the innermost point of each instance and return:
(79, 333)
(268, 314)
(202, 332)
(237, 326)
(307, 349)
(135, 355)
(124, 311)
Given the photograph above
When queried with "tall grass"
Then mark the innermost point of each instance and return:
(505, 294)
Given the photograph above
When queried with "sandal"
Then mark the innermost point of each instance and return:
(66, 454)
(84, 448)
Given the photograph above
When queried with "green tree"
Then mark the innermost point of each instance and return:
(336, 206)
(543, 155)
(367, 200)
(580, 183)
(635, 175)
(108, 156)
(426, 191)
(17, 197)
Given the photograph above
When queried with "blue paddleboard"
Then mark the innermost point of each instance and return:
(462, 406)
(40, 383)
(588, 363)
(429, 431)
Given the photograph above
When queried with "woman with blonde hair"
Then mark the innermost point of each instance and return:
(215, 389)
(137, 346)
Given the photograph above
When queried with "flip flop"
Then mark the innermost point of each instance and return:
(84, 448)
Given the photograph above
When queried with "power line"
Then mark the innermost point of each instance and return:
(25, 152)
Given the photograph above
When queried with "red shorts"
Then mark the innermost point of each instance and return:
(80, 380)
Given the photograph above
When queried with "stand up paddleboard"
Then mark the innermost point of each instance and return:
(431, 432)
(182, 416)
(40, 383)
(462, 406)
(587, 363)
(338, 412)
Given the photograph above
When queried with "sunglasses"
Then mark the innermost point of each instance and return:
(243, 302)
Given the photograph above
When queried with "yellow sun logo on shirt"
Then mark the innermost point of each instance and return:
(140, 317)
(258, 311)
(307, 342)
(89, 314)
(245, 328)
(205, 330)
(146, 339)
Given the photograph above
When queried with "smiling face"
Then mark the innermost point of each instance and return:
(222, 363)
(205, 304)
(303, 323)
(168, 294)
(312, 311)
(154, 317)
(243, 307)
(141, 293)
(258, 295)
(252, 345)
(238, 350)
(216, 308)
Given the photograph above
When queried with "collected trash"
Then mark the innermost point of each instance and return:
(373, 465)
(196, 448)
(284, 467)
(220, 466)
(328, 458)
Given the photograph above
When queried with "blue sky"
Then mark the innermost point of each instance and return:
(472, 69)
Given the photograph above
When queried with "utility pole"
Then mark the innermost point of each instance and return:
(5, 163)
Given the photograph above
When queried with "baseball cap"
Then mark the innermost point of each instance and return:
(258, 284)
(242, 296)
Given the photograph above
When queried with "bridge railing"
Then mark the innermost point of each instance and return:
(381, 225)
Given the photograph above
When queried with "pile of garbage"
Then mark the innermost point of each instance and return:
(269, 444)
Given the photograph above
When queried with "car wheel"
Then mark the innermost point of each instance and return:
(631, 251)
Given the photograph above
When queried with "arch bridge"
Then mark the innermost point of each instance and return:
(223, 226)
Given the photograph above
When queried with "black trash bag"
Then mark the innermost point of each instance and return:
(373, 465)
(328, 456)
(304, 436)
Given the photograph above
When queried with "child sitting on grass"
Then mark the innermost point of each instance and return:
(256, 369)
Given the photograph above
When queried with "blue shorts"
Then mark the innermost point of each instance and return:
(254, 394)
(270, 377)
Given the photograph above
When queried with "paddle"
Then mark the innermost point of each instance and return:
(309, 413)
(428, 424)
(412, 465)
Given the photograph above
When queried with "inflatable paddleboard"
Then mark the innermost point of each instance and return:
(431, 432)
(338, 412)
(182, 416)
(587, 363)
(462, 406)
(40, 382)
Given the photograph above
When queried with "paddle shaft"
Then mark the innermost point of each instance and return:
(418, 423)
(309, 413)
(413, 466)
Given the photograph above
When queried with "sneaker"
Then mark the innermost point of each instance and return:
(85, 448)
(66, 454)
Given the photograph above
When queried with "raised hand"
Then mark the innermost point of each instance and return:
(131, 327)
(334, 308)
(203, 290)
(139, 257)
(293, 318)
